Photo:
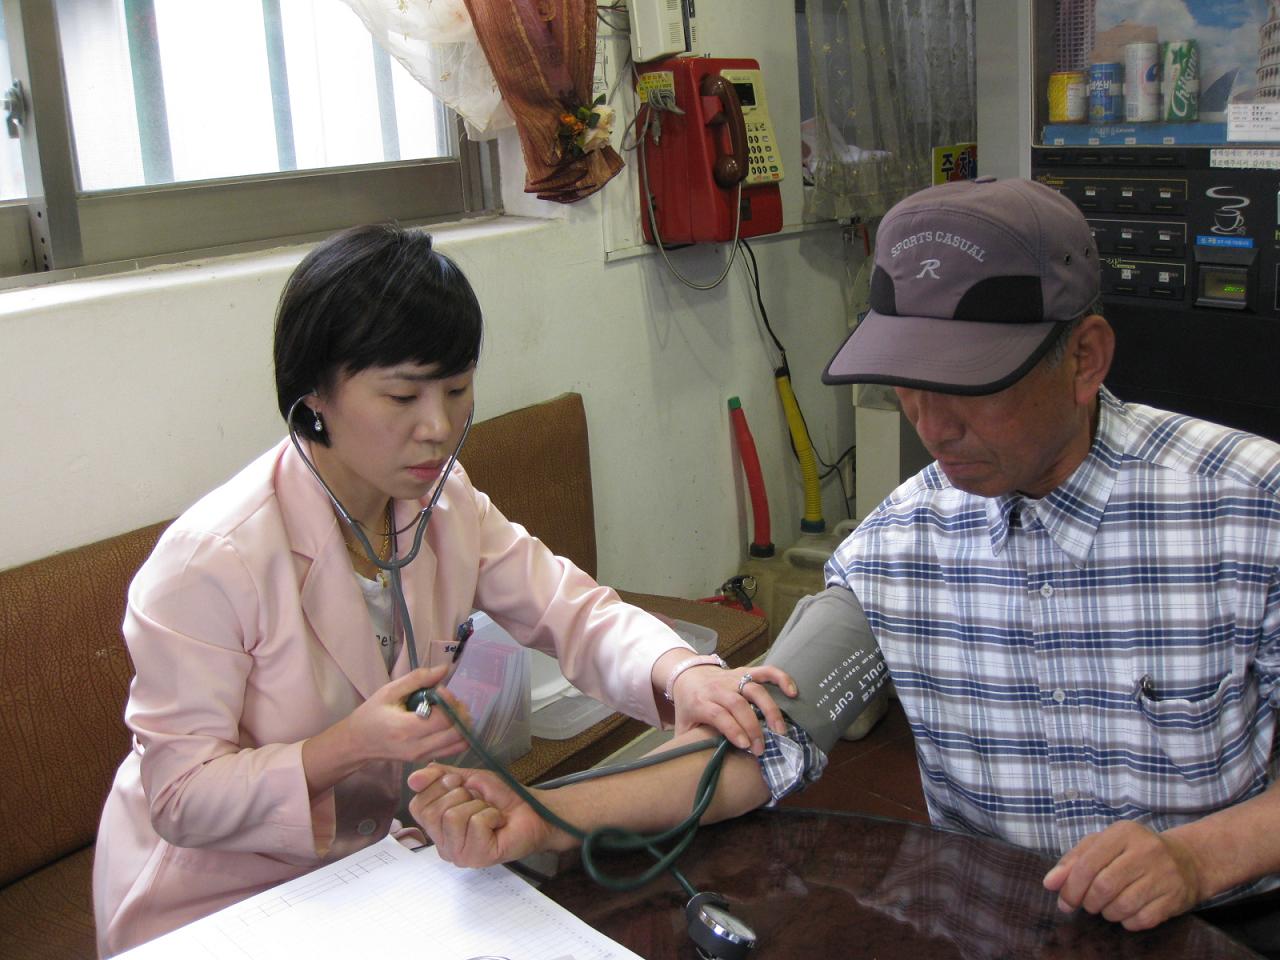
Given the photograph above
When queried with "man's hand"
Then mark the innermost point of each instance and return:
(1128, 873)
(475, 819)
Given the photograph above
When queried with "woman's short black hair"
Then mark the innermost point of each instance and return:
(370, 296)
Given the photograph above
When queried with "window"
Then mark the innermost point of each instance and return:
(170, 127)
(12, 184)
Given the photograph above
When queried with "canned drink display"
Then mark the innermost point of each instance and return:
(1141, 82)
(1068, 96)
(1180, 81)
(1106, 93)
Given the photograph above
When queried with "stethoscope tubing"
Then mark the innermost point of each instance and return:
(393, 564)
(601, 840)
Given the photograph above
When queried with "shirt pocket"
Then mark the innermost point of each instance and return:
(1192, 754)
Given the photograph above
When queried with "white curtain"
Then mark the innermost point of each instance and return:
(437, 44)
(892, 79)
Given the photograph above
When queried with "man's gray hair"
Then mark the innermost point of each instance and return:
(1058, 350)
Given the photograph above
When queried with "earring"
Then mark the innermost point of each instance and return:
(319, 424)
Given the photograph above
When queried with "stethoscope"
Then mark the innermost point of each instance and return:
(393, 564)
(717, 933)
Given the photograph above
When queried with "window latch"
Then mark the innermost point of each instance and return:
(15, 110)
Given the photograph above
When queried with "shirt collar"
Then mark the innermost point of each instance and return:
(1071, 512)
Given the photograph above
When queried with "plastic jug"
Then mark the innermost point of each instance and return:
(782, 580)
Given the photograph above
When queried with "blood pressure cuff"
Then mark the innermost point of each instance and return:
(827, 647)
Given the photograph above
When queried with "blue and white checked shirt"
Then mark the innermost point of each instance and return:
(1109, 651)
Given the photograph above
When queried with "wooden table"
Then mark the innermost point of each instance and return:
(816, 885)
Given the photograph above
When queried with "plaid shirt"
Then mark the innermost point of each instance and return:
(1109, 651)
(790, 762)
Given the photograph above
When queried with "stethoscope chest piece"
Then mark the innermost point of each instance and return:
(418, 703)
(718, 934)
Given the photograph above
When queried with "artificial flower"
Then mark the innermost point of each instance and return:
(584, 129)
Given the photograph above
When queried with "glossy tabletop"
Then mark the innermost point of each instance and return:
(814, 884)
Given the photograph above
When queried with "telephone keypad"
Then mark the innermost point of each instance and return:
(763, 165)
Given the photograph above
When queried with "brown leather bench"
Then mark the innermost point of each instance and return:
(65, 672)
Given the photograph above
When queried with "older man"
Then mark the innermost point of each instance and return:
(1078, 601)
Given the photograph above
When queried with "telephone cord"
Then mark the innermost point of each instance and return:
(653, 221)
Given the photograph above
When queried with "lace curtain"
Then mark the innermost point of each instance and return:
(437, 44)
(891, 79)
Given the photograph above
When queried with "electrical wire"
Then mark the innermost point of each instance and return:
(612, 26)
(753, 274)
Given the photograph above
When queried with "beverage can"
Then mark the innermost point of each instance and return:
(1180, 81)
(1141, 82)
(1106, 92)
(1068, 96)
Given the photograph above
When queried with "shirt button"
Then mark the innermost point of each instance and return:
(1046, 591)
(1059, 696)
(366, 826)
(1070, 795)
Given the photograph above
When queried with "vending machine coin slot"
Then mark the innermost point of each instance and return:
(1224, 277)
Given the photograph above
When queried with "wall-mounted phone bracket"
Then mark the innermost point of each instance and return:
(720, 142)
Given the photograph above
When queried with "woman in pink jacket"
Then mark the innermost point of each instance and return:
(268, 713)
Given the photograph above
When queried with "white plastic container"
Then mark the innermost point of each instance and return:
(568, 715)
(561, 710)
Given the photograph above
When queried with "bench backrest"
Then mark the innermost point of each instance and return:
(64, 677)
(535, 464)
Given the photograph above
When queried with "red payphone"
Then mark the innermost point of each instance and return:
(695, 159)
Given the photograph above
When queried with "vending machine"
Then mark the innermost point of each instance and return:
(1166, 133)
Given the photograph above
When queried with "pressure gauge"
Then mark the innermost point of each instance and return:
(719, 935)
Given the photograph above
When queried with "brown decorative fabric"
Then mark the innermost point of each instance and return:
(542, 53)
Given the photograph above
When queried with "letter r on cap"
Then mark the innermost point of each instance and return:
(930, 267)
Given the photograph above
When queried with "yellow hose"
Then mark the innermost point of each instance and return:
(812, 521)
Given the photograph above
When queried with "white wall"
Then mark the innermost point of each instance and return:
(1004, 87)
(127, 397)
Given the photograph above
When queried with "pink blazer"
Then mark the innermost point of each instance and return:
(249, 634)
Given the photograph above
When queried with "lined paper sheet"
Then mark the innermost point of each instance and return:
(387, 898)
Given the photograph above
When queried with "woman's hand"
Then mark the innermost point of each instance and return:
(718, 698)
(386, 729)
(382, 728)
(475, 819)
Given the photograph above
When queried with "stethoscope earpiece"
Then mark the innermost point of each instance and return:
(394, 565)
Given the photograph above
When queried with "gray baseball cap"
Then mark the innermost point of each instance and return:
(972, 282)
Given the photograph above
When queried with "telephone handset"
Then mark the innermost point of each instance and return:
(729, 168)
(695, 158)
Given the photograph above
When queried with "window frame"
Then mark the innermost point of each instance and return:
(59, 231)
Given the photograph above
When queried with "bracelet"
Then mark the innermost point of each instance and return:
(709, 659)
